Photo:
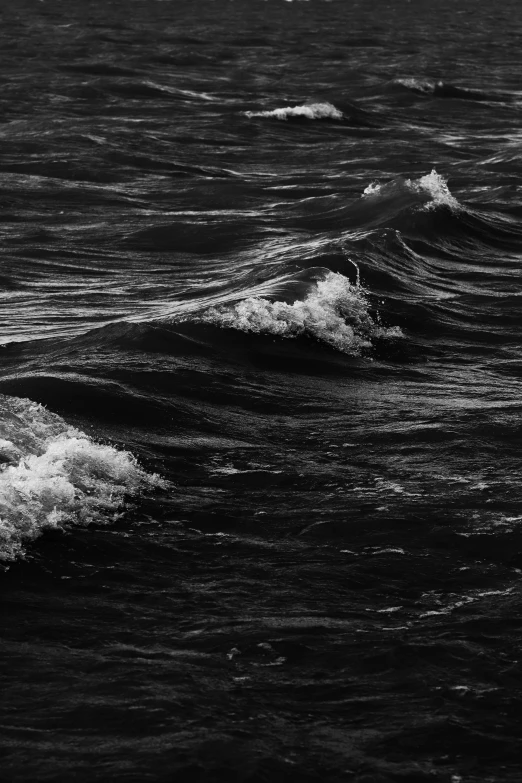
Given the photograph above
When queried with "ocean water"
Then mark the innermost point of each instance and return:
(260, 391)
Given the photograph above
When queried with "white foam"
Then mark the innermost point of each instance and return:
(419, 85)
(54, 476)
(308, 111)
(436, 187)
(373, 189)
(334, 312)
(431, 187)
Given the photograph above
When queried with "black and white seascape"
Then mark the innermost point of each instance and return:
(260, 391)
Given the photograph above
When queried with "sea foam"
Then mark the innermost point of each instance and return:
(334, 312)
(417, 85)
(432, 188)
(307, 111)
(53, 476)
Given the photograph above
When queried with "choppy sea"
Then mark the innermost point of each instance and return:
(260, 391)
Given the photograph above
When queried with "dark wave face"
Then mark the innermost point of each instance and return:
(260, 391)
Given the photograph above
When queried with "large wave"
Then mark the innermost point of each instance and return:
(335, 312)
(53, 475)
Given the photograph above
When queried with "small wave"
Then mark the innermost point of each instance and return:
(307, 111)
(334, 312)
(425, 86)
(432, 188)
(53, 475)
(440, 89)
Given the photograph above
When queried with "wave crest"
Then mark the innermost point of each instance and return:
(307, 111)
(441, 89)
(432, 188)
(54, 475)
(335, 312)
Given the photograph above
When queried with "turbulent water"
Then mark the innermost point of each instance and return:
(260, 391)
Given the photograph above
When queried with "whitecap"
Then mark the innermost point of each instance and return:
(307, 111)
(418, 85)
(431, 187)
(335, 312)
(54, 475)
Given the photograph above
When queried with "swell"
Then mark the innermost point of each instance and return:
(314, 280)
(422, 209)
(312, 306)
(438, 218)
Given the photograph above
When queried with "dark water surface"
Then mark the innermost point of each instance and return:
(261, 263)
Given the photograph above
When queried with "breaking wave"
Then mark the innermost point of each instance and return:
(432, 188)
(307, 111)
(53, 475)
(334, 312)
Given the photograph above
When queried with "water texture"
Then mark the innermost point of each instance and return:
(260, 391)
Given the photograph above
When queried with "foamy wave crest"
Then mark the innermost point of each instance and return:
(417, 85)
(334, 312)
(308, 111)
(432, 188)
(53, 475)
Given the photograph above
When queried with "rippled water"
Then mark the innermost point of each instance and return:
(260, 406)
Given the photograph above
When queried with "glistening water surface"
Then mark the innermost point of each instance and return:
(260, 413)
